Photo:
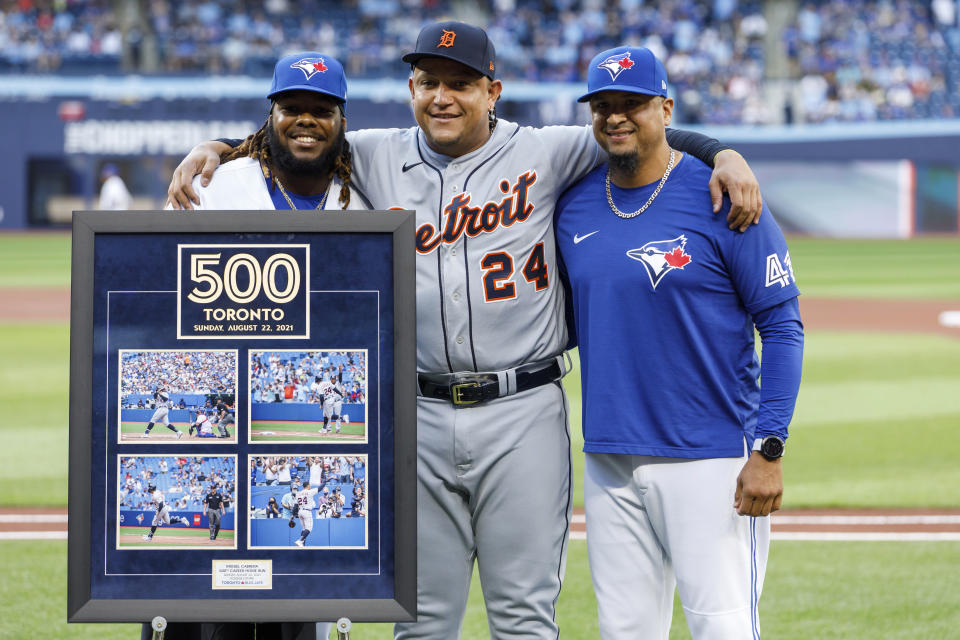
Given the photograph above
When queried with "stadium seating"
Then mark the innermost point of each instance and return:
(851, 59)
(166, 481)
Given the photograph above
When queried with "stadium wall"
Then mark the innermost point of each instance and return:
(299, 411)
(190, 399)
(128, 518)
(57, 136)
(328, 532)
(144, 415)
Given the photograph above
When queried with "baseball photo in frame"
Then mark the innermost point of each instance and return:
(176, 502)
(308, 396)
(169, 311)
(182, 394)
(318, 502)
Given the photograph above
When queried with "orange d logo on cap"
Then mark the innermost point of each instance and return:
(447, 38)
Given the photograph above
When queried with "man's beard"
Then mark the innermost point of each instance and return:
(626, 163)
(288, 163)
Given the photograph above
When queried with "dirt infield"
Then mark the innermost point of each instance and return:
(912, 316)
(131, 539)
(790, 524)
(137, 438)
(33, 305)
(915, 316)
(270, 436)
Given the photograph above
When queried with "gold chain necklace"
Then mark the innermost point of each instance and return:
(652, 196)
(283, 192)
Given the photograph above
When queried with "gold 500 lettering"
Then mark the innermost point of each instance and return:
(204, 271)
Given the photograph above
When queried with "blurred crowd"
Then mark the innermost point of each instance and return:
(193, 372)
(876, 59)
(337, 479)
(184, 481)
(853, 59)
(282, 376)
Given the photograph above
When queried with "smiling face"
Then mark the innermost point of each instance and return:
(630, 127)
(306, 132)
(451, 103)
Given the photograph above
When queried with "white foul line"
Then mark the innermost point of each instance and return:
(33, 517)
(854, 536)
(796, 519)
(949, 319)
(867, 536)
(33, 535)
(864, 520)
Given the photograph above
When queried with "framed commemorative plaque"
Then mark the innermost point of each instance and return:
(242, 417)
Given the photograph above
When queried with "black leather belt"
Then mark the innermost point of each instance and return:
(471, 388)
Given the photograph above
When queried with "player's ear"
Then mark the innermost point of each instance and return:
(667, 111)
(493, 92)
(410, 86)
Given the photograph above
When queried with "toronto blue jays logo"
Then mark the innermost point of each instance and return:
(139, 517)
(660, 257)
(310, 66)
(615, 64)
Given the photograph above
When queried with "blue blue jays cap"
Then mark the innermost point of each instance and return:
(457, 41)
(309, 71)
(631, 69)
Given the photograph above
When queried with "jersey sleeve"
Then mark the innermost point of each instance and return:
(759, 262)
(573, 152)
(702, 147)
(781, 363)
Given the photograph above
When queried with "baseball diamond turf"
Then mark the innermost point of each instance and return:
(173, 535)
(876, 424)
(132, 432)
(271, 430)
(813, 591)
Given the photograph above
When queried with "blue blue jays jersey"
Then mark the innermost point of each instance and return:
(663, 305)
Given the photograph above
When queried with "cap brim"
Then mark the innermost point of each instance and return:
(413, 58)
(307, 87)
(620, 87)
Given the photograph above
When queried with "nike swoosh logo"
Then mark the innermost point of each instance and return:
(577, 239)
(407, 167)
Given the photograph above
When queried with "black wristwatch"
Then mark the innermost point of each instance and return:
(770, 447)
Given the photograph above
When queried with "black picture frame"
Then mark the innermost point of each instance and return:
(397, 228)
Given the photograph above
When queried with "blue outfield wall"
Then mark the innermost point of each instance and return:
(59, 130)
(329, 532)
(128, 518)
(300, 411)
(144, 415)
(190, 399)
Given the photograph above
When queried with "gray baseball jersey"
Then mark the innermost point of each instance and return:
(488, 299)
(162, 515)
(488, 296)
(162, 413)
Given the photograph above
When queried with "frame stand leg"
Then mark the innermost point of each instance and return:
(159, 625)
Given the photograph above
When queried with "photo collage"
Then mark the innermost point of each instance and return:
(298, 496)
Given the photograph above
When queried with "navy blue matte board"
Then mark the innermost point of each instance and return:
(235, 289)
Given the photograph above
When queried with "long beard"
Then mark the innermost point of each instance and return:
(288, 163)
(626, 163)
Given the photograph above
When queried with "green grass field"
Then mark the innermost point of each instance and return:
(137, 429)
(286, 430)
(813, 591)
(202, 534)
(877, 424)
